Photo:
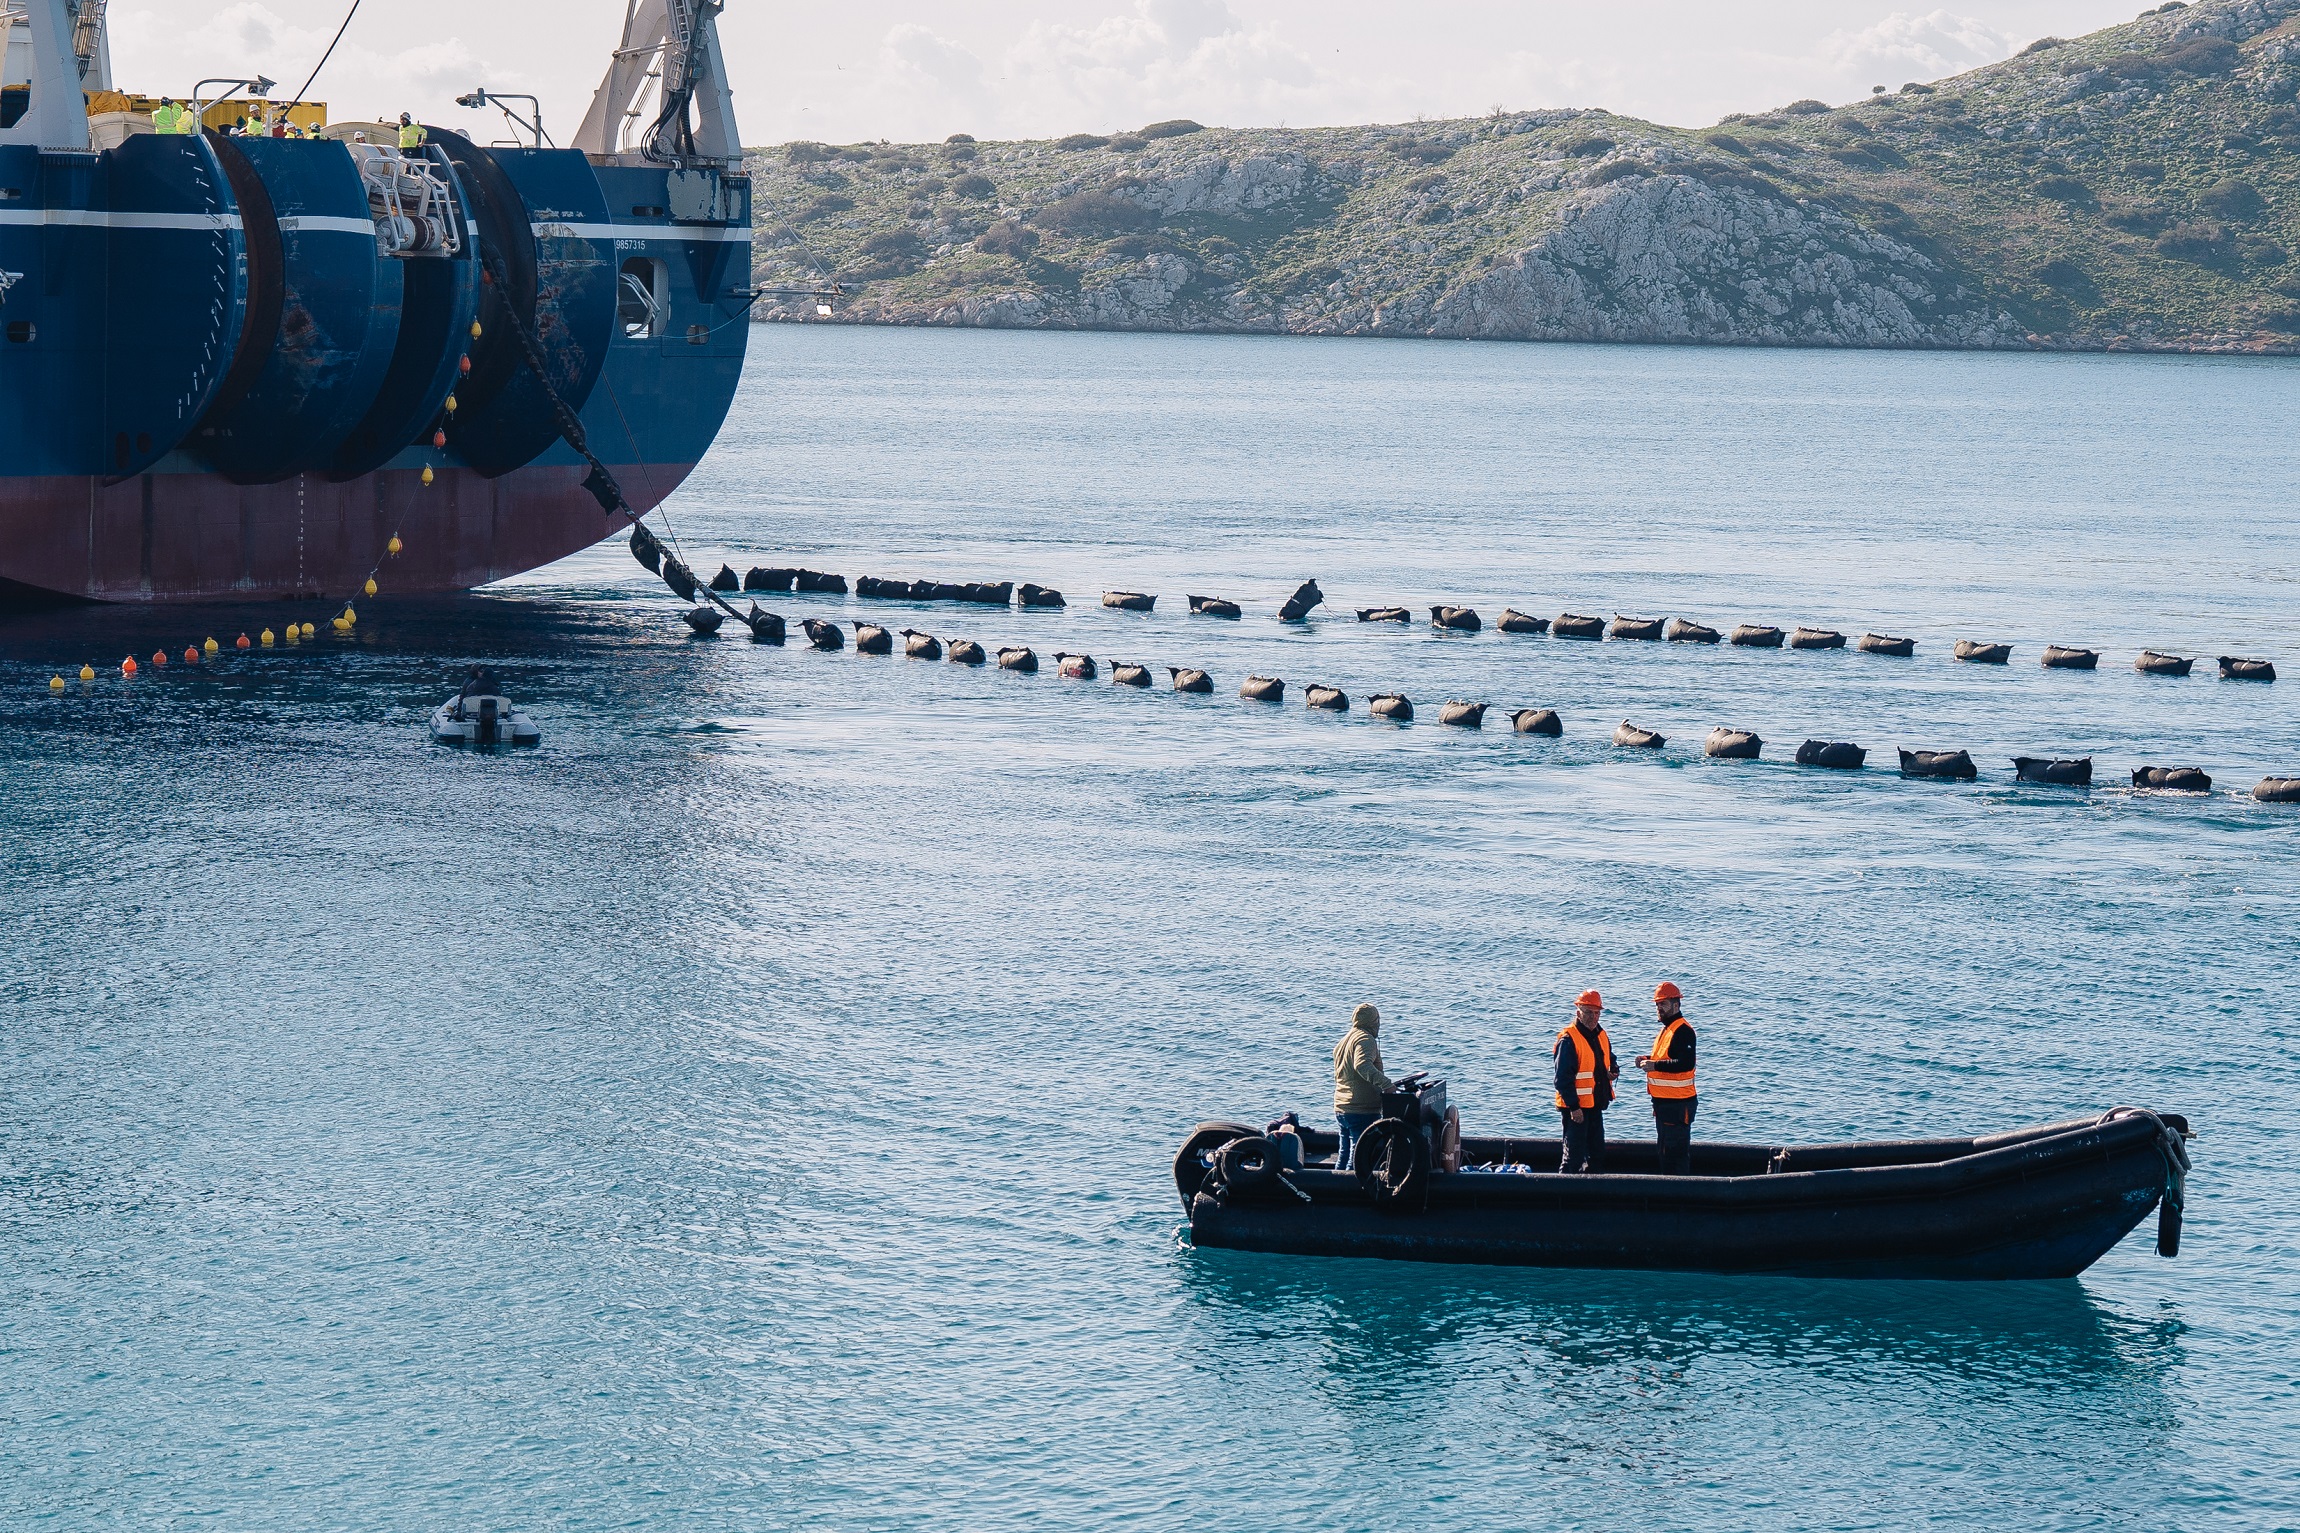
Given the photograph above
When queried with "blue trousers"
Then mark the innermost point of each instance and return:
(1352, 1124)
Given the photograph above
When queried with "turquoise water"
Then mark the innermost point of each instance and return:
(752, 1109)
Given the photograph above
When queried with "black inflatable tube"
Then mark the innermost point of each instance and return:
(1874, 1183)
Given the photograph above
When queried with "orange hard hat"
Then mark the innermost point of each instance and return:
(1667, 991)
(1590, 998)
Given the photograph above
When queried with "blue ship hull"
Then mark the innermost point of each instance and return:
(218, 380)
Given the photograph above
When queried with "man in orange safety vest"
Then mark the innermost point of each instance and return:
(1669, 1081)
(1586, 1070)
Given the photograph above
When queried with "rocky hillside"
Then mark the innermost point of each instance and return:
(2138, 188)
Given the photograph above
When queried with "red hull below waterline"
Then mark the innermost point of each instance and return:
(187, 537)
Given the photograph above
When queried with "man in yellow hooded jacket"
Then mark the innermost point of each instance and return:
(1358, 1079)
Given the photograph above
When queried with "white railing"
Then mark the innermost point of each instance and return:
(407, 197)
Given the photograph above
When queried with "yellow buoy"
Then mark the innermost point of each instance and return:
(211, 646)
(427, 474)
(341, 626)
(308, 630)
(55, 683)
(475, 329)
(370, 587)
(392, 547)
(87, 673)
(267, 638)
(451, 404)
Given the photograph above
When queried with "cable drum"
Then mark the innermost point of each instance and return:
(1392, 1159)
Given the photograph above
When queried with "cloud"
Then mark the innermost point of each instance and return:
(1157, 59)
(1907, 47)
(1165, 58)
(360, 81)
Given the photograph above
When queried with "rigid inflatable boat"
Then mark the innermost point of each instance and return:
(2037, 1203)
(484, 722)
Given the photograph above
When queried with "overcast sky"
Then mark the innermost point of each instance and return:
(909, 70)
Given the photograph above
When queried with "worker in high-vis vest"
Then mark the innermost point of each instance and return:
(1586, 1071)
(411, 134)
(1669, 1081)
(168, 117)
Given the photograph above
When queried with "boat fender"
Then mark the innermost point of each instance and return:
(2172, 1134)
(679, 578)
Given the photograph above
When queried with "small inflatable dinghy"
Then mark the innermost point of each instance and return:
(483, 721)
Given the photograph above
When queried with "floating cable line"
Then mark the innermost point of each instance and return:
(600, 481)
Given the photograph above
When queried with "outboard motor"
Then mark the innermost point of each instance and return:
(485, 733)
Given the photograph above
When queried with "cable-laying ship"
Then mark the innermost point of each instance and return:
(239, 367)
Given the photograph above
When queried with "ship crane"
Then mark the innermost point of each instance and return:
(670, 51)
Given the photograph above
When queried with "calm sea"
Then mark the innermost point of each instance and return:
(753, 1108)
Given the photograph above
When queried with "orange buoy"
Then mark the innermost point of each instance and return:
(191, 655)
(439, 439)
(159, 657)
(243, 641)
(465, 365)
(128, 666)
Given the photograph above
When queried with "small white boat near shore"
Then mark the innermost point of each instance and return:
(485, 722)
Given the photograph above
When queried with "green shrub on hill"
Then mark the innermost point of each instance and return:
(1092, 213)
(2233, 198)
(1007, 238)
